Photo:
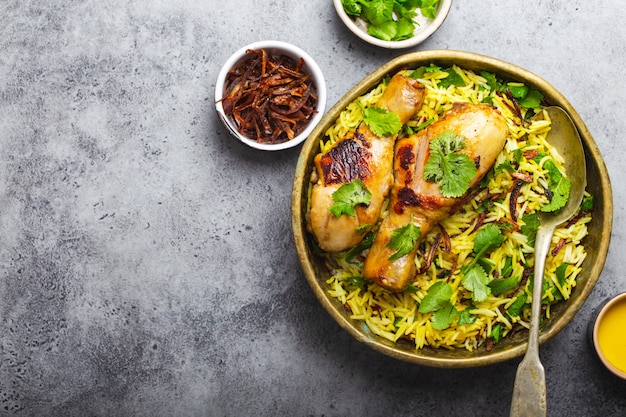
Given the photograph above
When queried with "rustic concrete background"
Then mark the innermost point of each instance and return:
(146, 261)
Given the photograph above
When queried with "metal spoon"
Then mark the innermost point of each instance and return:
(529, 392)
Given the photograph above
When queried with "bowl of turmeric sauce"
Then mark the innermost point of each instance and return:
(609, 338)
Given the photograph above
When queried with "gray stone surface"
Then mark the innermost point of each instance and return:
(146, 261)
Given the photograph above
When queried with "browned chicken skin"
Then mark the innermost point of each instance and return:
(362, 156)
(414, 199)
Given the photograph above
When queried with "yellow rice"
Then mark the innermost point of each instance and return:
(395, 315)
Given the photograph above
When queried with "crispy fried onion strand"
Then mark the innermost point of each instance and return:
(270, 98)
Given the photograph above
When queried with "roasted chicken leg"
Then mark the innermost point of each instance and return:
(365, 157)
(413, 199)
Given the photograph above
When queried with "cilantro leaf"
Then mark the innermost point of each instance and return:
(489, 237)
(377, 12)
(386, 30)
(352, 7)
(437, 296)
(475, 280)
(558, 185)
(443, 318)
(348, 196)
(560, 195)
(518, 90)
(553, 171)
(428, 8)
(492, 81)
(508, 267)
(393, 30)
(453, 78)
(465, 317)
(532, 100)
(366, 243)
(516, 307)
(437, 301)
(390, 20)
(560, 274)
(355, 282)
(505, 166)
(411, 289)
(453, 171)
(406, 9)
(418, 73)
(496, 332)
(549, 287)
(539, 157)
(381, 121)
(587, 203)
(405, 27)
(503, 285)
(404, 239)
(432, 68)
(530, 227)
(487, 264)
(525, 96)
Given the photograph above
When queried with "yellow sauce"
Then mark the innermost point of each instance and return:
(612, 335)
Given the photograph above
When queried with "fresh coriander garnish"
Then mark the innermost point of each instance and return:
(381, 121)
(437, 301)
(496, 332)
(559, 186)
(503, 285)
(452, 170)
(492, 81)
(475, 278)
(427, 7)
(587, 203)
(466, 317)
(390, 20)
(443, 318)
(515, 309)
(526, 97)
(453, 78)
(352, 7)
(348, 196)
(366, 243)
(530, 227)
(438, 294)
(354, 282)
(404, 239)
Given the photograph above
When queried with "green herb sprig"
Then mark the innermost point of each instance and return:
(437, 301)
(382, 122)
(452, 170)
(390, 20)
(348, 196)
(404, 239)
(559, 187)
(475, 278)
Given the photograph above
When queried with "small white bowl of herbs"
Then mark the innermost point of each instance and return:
(393, 24)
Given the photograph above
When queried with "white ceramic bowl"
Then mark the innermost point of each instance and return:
(272, 47)
(424, 29)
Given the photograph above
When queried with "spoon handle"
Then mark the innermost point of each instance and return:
(542, 248)
(529, 391)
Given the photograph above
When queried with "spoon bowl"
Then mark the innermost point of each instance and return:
(529, 392)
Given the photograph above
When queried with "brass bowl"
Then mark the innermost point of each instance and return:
(597, 242)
